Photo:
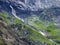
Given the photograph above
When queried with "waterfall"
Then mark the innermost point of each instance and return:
(14, 13)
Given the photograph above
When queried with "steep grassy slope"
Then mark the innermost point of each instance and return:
(48, 23)
(20, 32)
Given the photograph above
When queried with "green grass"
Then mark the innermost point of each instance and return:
(34, 35)
(40, 26)
(36, 23)
(52, 29)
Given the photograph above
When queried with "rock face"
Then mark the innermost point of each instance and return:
(33, 4)
(26, 8)
(15, 32)
(51, 14)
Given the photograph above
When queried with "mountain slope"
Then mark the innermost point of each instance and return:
(20, 32)
(48, 22)
(29, 22)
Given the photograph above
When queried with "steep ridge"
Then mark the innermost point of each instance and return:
(20, 33)
(30, 34)
(33, 5)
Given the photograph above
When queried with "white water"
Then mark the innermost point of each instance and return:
(42, 33)
(14, 13)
